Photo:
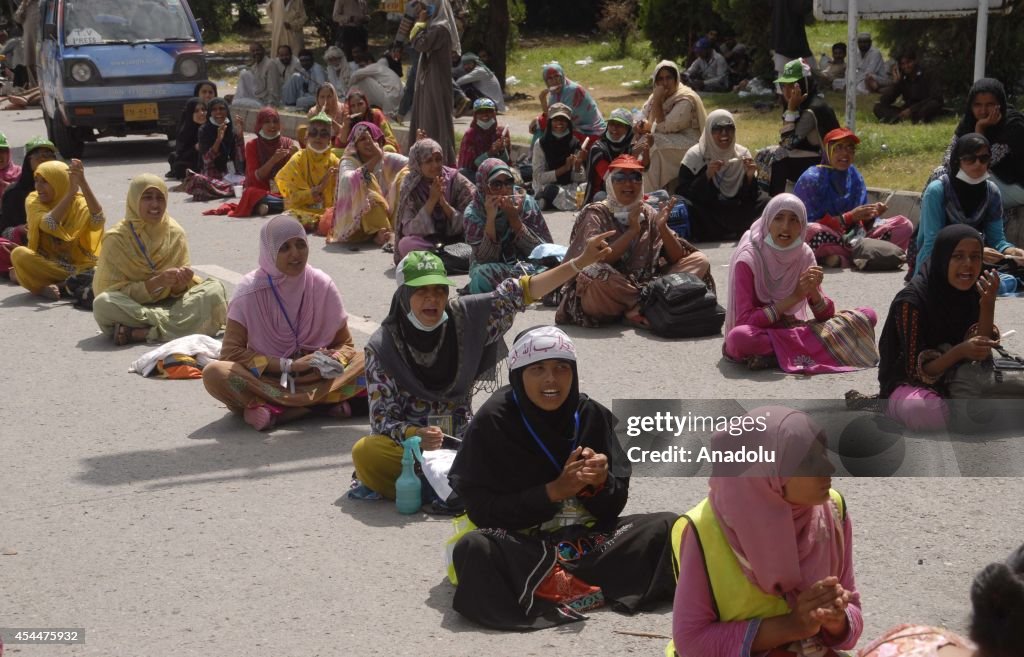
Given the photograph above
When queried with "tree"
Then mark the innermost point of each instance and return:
(618, 18)
(248, 14)
(499, 27)
(672, 25)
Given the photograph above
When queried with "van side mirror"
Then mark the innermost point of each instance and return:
(201, 24)
(50, 31)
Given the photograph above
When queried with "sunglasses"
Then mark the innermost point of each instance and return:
(573, 550)
(503, 183)
(627, 177)
(325, 132)
(728, 127)
(984, 158)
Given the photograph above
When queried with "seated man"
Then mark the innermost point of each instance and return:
(709, 72)
(300, 89)
(285, 65)
(920, 91)
(872, 73)
(382, 87)
(833, 74)
(258, 85)
(478, 81)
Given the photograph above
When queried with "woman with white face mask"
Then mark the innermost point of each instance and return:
(963, 195)
(557, 158)
(643, 249)
(617, 140)
(484, 140)
(430, 355)
(777, 315)
(220, 145)
(307, 181)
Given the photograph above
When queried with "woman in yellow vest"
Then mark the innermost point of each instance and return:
(766, 560)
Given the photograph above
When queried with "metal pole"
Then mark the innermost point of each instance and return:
(981, 40)
(852, 62)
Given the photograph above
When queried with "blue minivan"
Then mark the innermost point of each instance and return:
(111, 68)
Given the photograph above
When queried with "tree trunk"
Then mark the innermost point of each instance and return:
(498, 39)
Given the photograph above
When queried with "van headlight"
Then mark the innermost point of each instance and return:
(189, 68)
(81, 72)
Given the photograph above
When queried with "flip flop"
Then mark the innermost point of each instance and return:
(122, 334)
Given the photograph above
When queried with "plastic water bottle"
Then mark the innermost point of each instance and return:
(408, 487)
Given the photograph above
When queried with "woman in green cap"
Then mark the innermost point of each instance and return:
(307, 181)
(432, 353)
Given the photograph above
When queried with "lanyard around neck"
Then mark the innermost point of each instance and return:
(280, 303)
(142, 247)
(540, 443)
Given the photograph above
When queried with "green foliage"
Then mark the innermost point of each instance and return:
(618, 19)
(673, 25)
(949, 44)
(750, 21)
(319, 13)
(216, 18)
(476, 36)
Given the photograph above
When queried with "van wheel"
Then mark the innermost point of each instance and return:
(64, 138)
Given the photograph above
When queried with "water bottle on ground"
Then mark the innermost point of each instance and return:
(408, 487)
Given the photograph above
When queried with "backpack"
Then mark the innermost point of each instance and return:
(681, 306)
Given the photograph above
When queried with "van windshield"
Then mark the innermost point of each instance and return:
(117, 21)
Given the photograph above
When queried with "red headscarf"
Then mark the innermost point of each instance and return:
(265, 148)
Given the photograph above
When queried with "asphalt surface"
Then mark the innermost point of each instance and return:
(145, 513)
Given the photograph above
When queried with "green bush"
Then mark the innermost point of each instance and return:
(673, 25)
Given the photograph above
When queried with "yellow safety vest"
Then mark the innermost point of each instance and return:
(733, 596)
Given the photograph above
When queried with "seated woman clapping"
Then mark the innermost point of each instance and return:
(643, 248)
(65, 226)
(307, 180)
(943, 318)
(265, 156)
(503, 225)
(773, 283)
(432, 352)
(543, 475)
(368, 182)
(144, 284)
(431, 202)
(718, 180)
(287, 349)
(766, 560)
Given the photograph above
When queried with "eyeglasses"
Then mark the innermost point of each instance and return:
(325, 132)
(633, 177)
(984, 158)
(573, 550)
(845, 147)
(501, 183)
(725, 127)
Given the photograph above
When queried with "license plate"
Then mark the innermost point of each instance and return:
(141, 112)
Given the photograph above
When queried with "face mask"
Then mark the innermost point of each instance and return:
(486, 125)
(614, 140)
(411, 316)
(218, 122)
(962, 175)
(320, 151)
(560, 133)
(622, 217)
(771, 243)
(555, 89)
(263, 133)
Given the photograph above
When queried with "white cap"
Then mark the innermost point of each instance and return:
(542, 343)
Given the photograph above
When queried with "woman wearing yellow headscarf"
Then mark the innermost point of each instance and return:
(65, 224)
(307, 181)
(145, 288)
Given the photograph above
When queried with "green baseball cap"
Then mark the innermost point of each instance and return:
(322, 117)
(3, 141)
(39, 142)
(421, 268)
(792, 72)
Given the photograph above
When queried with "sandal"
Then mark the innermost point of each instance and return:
(122, 334)
(262, 416)
(338, 411)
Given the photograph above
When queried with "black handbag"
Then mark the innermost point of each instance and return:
(681, 306)
(997, 378)
(456, 257)
(79, 288)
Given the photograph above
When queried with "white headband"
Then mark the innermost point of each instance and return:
(542, 343)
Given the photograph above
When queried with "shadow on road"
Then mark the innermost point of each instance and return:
(732, 370)
(376, 513)
(235, 453)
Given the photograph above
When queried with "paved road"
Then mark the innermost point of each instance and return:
(143, 512)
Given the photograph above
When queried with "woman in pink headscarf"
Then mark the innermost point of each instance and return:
(777, 314)
(766, 560)
(287, 349)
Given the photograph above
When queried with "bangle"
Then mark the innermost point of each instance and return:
(96, 216)
(790, 116)
(575, 267)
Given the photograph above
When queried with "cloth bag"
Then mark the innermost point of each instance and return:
(456, 257)
(681, 306)
(877, 255)
(996, 378)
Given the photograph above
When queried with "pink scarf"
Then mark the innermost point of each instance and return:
(9, 174)
(775, 272)
(783, 549)
(310, 301)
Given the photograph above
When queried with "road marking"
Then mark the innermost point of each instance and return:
(360, 324)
